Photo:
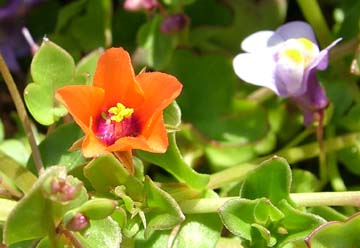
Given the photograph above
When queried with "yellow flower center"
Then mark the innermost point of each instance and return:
(301, 51)
(119, 112)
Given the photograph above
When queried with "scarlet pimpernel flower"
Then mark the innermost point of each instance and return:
(286, 61)
(121, 111)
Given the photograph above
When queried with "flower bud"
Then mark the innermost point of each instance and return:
(61, 189)
(97, 208)
(76, 222)
(174, 23)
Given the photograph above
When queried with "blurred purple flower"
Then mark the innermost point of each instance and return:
(174, 23)
(136, 5)
(12, 41)
(286, 62)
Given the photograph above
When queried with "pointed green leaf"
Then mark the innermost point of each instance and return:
(162, 211)
(173, 162)
(271, 180)
(106, 172)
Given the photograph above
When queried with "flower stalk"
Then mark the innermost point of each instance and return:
(292, 155)
(211, 205)
(20, 108)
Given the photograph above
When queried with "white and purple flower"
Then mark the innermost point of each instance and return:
(286, 61)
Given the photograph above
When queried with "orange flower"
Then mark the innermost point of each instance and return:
(121, 111)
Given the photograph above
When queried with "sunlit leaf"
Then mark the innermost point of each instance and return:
(173, 162)
(271, 180)
(163, 212)
(106, 172)
(51, 68)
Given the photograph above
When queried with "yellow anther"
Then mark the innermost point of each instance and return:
(120, 112)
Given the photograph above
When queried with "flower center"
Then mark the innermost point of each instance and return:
(120, 112)
(117, 122)
(299, 51)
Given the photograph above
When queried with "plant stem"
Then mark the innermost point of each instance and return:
(211, 205)
(292, 155)
(312, 13)
(19, 104)
(232, 174)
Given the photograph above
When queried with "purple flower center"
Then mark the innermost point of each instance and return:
(118, 122)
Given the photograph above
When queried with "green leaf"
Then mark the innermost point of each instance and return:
(54, 149)
(172, 117)
(162, 211)
(22, 177)
(102, 233)
(211, 77)
(173, 162)
(87, 65)
(106, 172)
(336, 234)
(199, 230)
(232, 21)
(296, 224)
(350, 158)
(158, 46)
(6, 207)
(303, 181)
(68, 12)
(91, 29)
(16, 150)
(36, 212)
(51, 68)
(272, 180)
(239, 215)
(352, 119)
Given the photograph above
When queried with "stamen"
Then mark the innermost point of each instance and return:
(120, 112)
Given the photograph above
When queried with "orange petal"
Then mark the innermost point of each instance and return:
(115, 74)
(82, 101)
(160, 90)
(91, 146)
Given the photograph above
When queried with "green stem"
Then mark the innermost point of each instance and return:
(312, 13)
(211, 205)
(292, 155)
(336, 180)
(232, 174)
(19, 104)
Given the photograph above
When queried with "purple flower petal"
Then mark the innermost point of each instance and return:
(260, 40)
(296, 29)
(289, 78)
(256, 68)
